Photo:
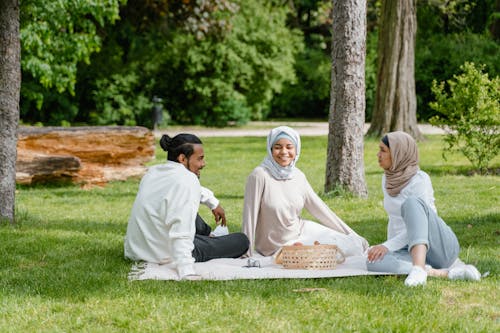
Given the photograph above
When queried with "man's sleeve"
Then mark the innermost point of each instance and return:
(208, 198)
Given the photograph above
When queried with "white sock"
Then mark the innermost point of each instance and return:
(464, 272)
(417, 277)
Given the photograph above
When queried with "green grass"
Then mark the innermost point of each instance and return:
(62, 268)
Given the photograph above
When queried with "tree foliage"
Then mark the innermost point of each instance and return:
(57, 35)
(221, 61)
(231, 79)
(469, 110)
(213, 61)
(451, 33)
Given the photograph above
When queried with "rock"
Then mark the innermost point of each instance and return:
(84, 155)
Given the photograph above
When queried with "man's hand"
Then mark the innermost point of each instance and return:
(220, 215)
(377, 252)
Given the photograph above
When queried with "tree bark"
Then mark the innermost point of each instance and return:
(396, 101)
(83, 155)
(495, 25)
(10, 85)
(345, 156)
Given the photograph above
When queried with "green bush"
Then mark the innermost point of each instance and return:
(117, 101)
(56, 36)
(470, 113)
(230, 78)
(439, 56)
(309, 96)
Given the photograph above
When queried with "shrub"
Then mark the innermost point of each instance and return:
(439, 56)
(117, 103)
(229, 79)
(309, 95)
(470, 113)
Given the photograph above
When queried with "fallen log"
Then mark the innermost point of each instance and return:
(85, 155)
(33, 167)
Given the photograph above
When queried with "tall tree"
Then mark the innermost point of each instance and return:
(10, 85)
(495, 24)
(396, 101)
(345, 165)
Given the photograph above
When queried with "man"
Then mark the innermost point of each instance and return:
(164, 225)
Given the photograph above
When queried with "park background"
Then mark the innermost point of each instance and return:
(225, 63)
(221, 62)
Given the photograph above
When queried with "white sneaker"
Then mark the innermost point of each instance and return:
(464, 272)
(416, 277)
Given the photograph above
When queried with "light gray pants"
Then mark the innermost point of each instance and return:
(423, 226)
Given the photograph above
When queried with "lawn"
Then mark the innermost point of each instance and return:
(62, 267)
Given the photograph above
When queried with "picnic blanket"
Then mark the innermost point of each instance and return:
(259, 268)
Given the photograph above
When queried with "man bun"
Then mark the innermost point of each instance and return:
(180, 144)
(165, 142)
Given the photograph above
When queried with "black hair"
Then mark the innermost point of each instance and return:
(179, 144)
(385, 140)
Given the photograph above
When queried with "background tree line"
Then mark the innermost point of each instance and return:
(220, 62)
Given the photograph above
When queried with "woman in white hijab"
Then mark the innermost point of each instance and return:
(419, 242)
(275, 194)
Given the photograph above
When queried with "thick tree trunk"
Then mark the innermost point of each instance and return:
(396, 101)
(345, 164)
(10, 85)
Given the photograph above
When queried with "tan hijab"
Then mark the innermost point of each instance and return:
(404, 155)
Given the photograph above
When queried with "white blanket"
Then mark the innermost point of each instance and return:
(232, 269)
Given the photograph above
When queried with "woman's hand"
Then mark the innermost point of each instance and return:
(220, 215)
(377, 252)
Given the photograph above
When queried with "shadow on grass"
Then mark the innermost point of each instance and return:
(230, 196)
(458, 170)
(477, 230)
(446, 170)
(27, 221)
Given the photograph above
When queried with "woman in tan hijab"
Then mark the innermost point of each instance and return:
(419, 242)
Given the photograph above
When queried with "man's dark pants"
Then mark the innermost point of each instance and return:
(205, 247)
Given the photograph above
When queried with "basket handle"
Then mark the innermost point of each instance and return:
(279, 257)
(342, 254)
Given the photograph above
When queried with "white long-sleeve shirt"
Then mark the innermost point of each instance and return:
(420, 186)
(161, 226)
(208, 198)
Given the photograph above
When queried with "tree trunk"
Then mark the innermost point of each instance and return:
(10, 85)
(345, 164)
(84, 155)
(396, 101)
(495, 24)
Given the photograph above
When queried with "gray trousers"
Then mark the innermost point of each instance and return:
(423, 226)
(206, 248)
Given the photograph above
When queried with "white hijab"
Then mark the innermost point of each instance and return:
(276, 170)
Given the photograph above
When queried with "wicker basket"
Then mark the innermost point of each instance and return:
(310, 256)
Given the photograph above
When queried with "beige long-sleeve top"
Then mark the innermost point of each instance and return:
(272, 210)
